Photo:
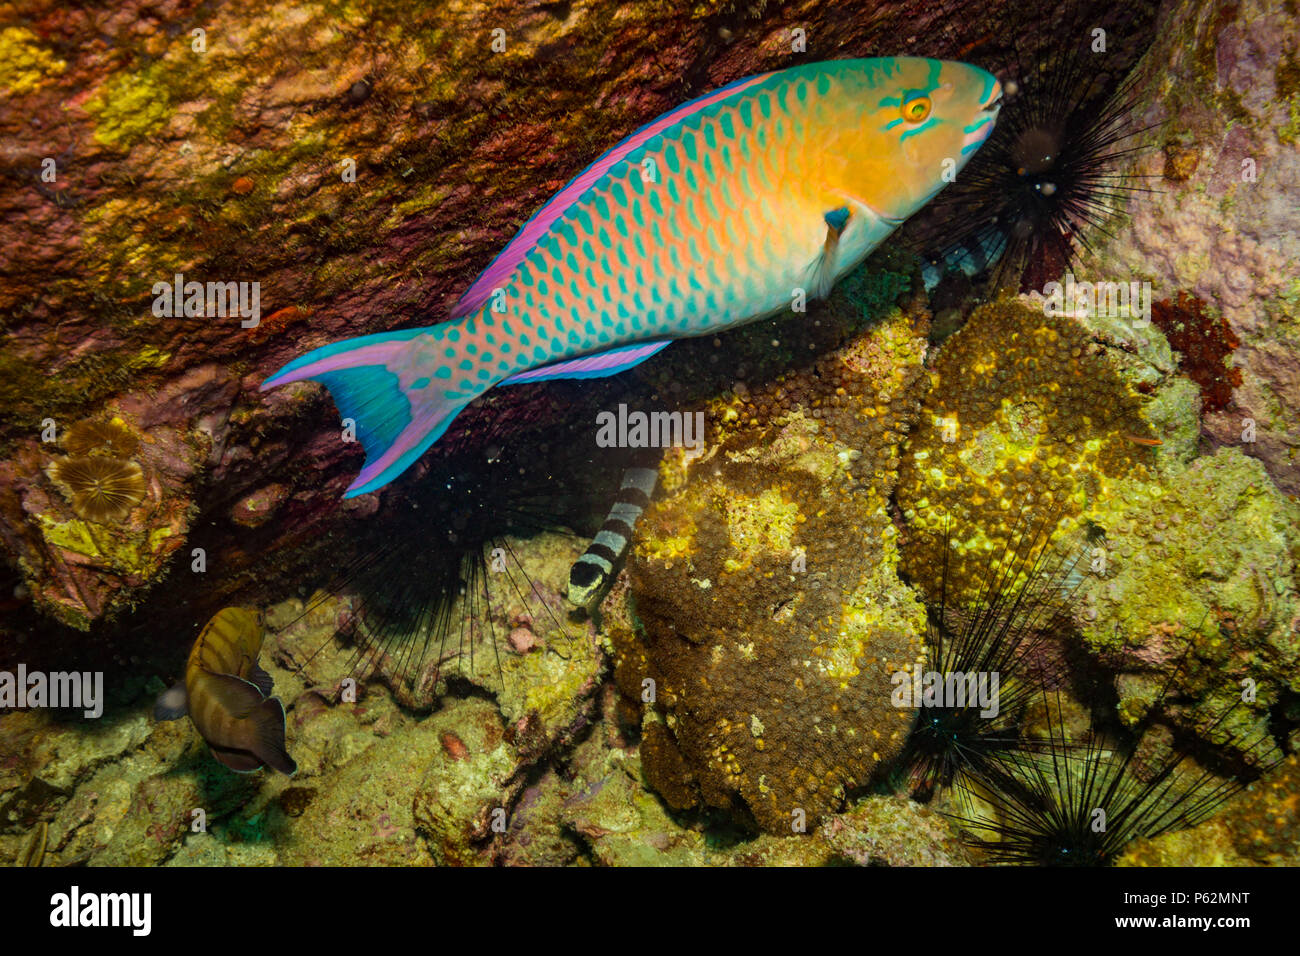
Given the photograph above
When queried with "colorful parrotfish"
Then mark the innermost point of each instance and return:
(712, 216)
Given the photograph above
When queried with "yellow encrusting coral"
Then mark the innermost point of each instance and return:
(1025, 423)
(768, 635)
(24, 63)
(762, 523)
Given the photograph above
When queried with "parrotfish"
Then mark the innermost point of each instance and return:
(227, 695)
(731, 208)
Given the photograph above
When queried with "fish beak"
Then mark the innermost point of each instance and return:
(995, 99)
(984, 121)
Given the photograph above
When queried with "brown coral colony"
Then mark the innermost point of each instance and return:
(1204, 343)
(100, 489)
(100, 438)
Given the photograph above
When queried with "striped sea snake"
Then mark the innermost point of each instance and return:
(592, 573)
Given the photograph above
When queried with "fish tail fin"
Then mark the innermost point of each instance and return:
(387, 385)
(268, 737)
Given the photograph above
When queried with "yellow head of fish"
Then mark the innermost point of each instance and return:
(918, 122)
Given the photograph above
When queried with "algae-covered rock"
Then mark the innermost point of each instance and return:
(469, 782)
(508, 635)
(771, 618)
(103, 519)
(1200, 570)
(356, 815)
(162, 811)
(545, 670)
(603, 812)
(1260, 826)
(617, 821)
(894, 831)
(1218, 95)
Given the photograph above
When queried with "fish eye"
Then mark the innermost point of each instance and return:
(916, 108)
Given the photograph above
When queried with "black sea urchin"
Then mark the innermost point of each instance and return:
(1045, 181)
(1025, 596)
(439, 574)
(1081, 803)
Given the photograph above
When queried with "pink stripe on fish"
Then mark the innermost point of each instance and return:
(590, 366)
(403, 444)
(381, 353)
(504, 264)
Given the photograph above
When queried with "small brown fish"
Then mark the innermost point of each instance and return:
(1140, 440)
(227, 695)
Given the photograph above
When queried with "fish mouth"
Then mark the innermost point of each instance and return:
(995, 98)
(981, 129)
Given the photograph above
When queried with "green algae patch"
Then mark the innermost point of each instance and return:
(426, 198)
(1175, 415)
(764, 523)
(130, 106)
(1201, 568)
(134, 553)
(25, 65)
(873, 289)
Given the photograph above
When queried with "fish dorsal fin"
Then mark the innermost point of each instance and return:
(500, 268)
(598, 365)
(261, 679)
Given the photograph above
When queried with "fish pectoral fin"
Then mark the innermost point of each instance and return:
(836, 221)
(595, 365)
(261, 679)
(236, 696)
(172, 704)
(824, 267)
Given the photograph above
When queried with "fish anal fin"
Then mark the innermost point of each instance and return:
(240, 761)
(597, 365)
